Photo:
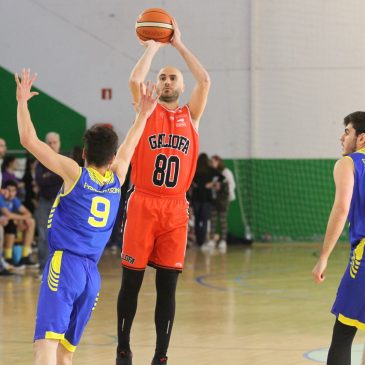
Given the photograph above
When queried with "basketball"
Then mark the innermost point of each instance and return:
(156, 24)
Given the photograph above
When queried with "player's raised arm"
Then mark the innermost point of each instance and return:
(147, 103)
(60, 165)
(344, 180)
(199, 95)
(141, 69)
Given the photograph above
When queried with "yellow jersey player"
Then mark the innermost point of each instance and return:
(79, 225)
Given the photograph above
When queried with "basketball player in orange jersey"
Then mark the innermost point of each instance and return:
(163, 166)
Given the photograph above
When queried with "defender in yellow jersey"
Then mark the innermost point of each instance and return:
(79, 225)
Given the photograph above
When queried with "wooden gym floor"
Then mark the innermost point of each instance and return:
(249, 306)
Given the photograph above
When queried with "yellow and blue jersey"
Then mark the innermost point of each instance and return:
(350, 300)
(81, 219)
(357, 207)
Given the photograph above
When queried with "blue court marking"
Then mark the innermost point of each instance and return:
(244, 287)
(201, 280)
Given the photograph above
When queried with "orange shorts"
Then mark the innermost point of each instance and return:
(155, 232)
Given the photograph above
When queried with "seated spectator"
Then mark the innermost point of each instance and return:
(3, 220)
(19, 219)
(8, 168)
(4, 266)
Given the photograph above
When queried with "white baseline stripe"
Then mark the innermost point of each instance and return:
(154, 24)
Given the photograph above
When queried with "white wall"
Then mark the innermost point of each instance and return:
(310, 73)
(78, 47)
(308, 65)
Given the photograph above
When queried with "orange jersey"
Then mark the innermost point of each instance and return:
(165, 158)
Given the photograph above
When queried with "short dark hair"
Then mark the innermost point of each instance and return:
(357, 119)
(8, 160)
(221, 166)
(100, 145)
(10, 183)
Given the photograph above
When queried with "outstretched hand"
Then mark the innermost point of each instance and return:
(24, 86)
(148, 99)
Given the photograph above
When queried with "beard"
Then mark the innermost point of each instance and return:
(169, 98)
(350, 148)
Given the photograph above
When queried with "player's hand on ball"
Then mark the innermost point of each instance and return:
(152, 44)
(176, 38)
(318, 271)
(148, 98)
(24, 85)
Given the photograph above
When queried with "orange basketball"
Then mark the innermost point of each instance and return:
(156, 24)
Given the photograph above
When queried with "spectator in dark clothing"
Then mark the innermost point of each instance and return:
(49, 185)
(3, 150)
(224, 191)
(116, 236)
(8, 168)
(76, 155)
(202, 197)
(31, 188)
(3, 220)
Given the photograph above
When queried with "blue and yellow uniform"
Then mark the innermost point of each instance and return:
(79, 226)
(349, 306)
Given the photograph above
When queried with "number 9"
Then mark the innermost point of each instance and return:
(101, 213)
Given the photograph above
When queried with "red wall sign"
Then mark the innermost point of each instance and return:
(106, 93)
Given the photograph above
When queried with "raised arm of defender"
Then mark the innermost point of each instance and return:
(63, 166)
(146, 105)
